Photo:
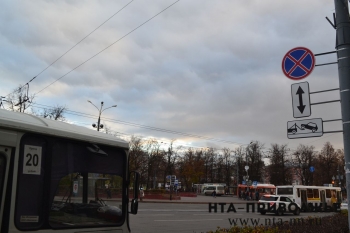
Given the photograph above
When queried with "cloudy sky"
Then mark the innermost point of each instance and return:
(204, 73)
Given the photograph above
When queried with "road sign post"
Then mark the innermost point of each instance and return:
(301, 100)
(343, 54)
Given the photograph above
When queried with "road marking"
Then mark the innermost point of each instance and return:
(188, 220)
(217, 214)
(162, 210)
(160, 215)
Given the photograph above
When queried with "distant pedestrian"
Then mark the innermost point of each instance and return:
(257, 195)
(214, 194)
(247, 195)
(142, 194)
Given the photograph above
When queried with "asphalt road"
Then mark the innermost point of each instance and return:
(193, 216)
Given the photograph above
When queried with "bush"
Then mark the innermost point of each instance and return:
(336, 223)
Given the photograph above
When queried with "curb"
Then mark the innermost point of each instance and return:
(194, 202)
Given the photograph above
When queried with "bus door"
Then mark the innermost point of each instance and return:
(5, 153)
(303, 197)
(339, 197)
(323, 198)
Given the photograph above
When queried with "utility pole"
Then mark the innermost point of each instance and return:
(237, 168)
(343, 54)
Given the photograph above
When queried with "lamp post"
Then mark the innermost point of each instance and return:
(99, 114)
(247, 176)
(237, 170)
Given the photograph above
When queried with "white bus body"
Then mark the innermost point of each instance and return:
(309, 194)
(56, 177)
(208, 188)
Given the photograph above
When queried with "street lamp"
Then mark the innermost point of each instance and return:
(99, 115)
(247, 176)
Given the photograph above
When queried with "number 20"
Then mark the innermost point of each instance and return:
(32, 160)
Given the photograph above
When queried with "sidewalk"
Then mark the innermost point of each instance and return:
(200, 199)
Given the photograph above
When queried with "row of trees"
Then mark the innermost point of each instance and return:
(277, 164)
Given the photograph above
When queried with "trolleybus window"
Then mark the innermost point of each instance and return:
(69, 184)
(285, 191)
(328, 193)
(85, 186)
(310, 193)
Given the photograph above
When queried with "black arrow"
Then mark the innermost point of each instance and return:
(301, 107)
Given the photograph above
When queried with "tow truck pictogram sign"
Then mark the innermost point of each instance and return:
(305, 128)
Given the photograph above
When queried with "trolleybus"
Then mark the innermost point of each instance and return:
(303, 195)
(58, 177)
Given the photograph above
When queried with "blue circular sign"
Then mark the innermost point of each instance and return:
(298, 63)
(312, 169)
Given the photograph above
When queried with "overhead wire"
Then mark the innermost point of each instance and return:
(74, 45)
(142, 126)
(108, 46)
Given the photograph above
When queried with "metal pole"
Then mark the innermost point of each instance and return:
(237, 171)
(98, 122)
(339, 182)
(99, 117)
(343, 54)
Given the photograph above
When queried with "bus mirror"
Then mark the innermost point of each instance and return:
(134, 201)
(134, 206)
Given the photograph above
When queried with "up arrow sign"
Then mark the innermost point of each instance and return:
(301, 100)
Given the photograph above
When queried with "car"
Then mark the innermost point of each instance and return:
(220, 190)
(311, 126)
(270, 200)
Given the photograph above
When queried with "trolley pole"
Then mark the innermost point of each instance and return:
(343, 55)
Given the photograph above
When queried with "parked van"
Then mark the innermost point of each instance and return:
(208, 190)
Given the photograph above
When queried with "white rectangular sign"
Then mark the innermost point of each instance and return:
(301, 100)
(32, 160)
(305, 128)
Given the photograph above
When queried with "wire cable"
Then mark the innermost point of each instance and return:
(75, 45)
(141, 126)
(108, 46)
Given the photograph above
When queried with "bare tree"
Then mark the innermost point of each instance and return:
(138, 158)
(279, 168)
(54, 113)
(254, 159)
(239, 153)
(304, 158)
(170, 160)
(327, 164)
(227, 166)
